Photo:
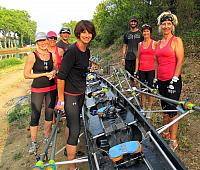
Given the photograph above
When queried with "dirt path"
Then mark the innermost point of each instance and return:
(14, 141)
(12, 85)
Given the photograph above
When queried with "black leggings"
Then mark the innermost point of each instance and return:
(147, 76)
(36, 106)
(73, 109)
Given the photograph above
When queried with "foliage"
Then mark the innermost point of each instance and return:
(10, 62)
(19, 113)
(19, 23)
(111, 17)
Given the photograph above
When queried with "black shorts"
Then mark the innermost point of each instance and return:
(147, 77)
(130, 66)
(163, 90)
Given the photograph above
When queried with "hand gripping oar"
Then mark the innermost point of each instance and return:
(40, 164)
(152, 90)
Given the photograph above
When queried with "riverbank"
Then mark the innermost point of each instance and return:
(16, 50)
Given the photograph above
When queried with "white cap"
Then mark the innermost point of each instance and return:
(40, 36)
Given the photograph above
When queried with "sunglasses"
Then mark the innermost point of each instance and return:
(52, 38)
(167, 18)
(146, 26)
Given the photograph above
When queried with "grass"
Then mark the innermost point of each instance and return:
(10, 62)
(19, 115)
(17, 156)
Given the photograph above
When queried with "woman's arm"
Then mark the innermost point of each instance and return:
(137, 59)
(60, 52)
(55, 65)
(28, 74)
(179, 50)
(155, 59)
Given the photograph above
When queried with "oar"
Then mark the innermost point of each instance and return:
(185, 104)
(40, 164)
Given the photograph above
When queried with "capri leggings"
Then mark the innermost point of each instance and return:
(147, 76)
(36, 106)
(73, 108)
(163, 90)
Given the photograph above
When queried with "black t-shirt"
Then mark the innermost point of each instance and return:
(132, 39)
(62, 45)
(73, 69)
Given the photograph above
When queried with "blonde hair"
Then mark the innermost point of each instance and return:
(164, 14)
(168, 13)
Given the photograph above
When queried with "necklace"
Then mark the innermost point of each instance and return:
(43, 57)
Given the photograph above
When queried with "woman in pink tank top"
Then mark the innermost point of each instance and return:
(145, 64)
(169, 61)
(52, 38)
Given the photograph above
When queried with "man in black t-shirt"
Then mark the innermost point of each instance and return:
(130, 46)
(64, 34)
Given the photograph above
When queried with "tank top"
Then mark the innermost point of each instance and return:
(146, 62)
(59, 59)
(42, 84)
(166, 59)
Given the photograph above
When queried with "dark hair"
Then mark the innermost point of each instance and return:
(146, 26)
(85, 25)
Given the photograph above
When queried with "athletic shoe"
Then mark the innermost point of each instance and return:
(173, 144)
(33, 148)
(148, 114)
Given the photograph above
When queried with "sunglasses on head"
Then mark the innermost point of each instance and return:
(55, 38)
(146, 26)
(167, 18)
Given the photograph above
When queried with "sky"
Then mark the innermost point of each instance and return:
(50, 14)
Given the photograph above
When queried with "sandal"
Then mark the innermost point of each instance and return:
(173, 144)
(166, 136)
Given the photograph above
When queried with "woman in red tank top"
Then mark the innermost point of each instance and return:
(145, 64)
(52, 38)
(169, 61)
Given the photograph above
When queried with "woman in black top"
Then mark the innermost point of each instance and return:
(72, 83)
(41, 66)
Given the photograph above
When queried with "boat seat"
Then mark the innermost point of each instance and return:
(132, 147)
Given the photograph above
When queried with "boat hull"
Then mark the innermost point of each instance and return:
(100, 136)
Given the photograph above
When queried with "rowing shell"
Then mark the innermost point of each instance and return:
(117, 134)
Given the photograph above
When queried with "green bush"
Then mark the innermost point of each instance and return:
(19, 113)
(10, 62)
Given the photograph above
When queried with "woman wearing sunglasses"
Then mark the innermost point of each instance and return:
(145, 64)
(170, 59)
(41, 66)
(72, 83)
(52, 39)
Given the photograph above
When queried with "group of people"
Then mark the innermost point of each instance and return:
(156, 64)
(59, 72)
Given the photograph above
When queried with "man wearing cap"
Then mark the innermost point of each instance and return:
(64, 34)
(130, 47)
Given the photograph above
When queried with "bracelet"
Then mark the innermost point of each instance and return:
(60, 103)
